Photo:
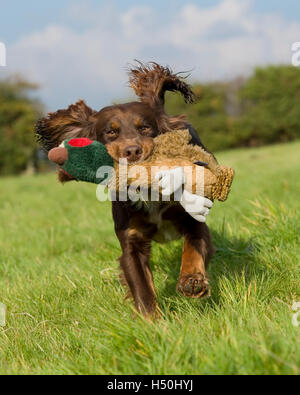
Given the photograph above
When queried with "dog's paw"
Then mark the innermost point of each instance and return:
(194, 286)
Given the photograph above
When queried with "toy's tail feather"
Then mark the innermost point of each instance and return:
(221, 189)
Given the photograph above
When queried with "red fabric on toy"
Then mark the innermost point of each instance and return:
(80, 142)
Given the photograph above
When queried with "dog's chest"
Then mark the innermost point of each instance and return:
(166, 230)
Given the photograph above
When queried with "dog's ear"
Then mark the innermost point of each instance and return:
(150, 82)
(77, 121)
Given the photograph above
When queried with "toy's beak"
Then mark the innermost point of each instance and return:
(58, 155)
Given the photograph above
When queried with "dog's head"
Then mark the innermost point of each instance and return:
(127, 130)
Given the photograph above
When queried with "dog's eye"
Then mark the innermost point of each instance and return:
(143, 129)
(111, 133)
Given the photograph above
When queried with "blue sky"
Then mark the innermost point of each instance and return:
(79, 48)
(21, 17)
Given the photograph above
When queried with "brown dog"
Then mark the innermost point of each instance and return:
(128, 130)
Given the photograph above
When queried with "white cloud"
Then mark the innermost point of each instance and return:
(136, 22)
(217, 42)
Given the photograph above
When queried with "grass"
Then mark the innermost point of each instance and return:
(66, 314)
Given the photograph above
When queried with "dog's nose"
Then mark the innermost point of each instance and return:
(132, 153)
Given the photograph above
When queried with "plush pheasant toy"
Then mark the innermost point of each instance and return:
(80, 159)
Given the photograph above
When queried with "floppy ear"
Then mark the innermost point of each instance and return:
(150, 82)
(76, 121)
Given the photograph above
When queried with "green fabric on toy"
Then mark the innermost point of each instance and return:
(80, 159)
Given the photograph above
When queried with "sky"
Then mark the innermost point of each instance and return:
(80, 48)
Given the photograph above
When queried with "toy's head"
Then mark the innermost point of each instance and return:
(81, 158)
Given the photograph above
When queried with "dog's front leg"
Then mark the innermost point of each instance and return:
(197, 251)
(136, 248)
(137, 274)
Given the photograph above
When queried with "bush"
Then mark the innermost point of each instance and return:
(18, 114)
(271, 100)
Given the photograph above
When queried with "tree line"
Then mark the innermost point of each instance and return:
(262, 109)
(18, 114)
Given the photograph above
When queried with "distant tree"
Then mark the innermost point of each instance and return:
(214, 114)
(271, 106)
(18, 114)
(264, 109)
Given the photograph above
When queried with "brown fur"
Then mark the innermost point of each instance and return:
(116, 148)
(137, 123)
(75, 121)
(151, 81)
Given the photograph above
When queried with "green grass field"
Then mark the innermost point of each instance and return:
(65, 308)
